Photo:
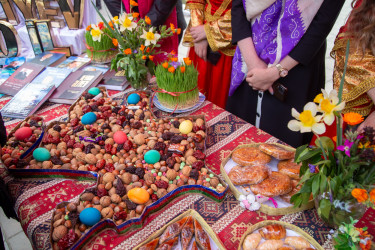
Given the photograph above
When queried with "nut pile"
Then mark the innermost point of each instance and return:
(14, 147)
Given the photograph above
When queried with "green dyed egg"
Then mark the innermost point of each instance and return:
(41, 154)
(152, 157)
(94, 91)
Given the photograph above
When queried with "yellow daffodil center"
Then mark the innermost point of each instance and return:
(326, 106)
(95, 32)
(318, 98)
(150, 36)
(306, 118)
(127, 22)
(115, 19)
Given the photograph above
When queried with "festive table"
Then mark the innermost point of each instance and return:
(37, 198)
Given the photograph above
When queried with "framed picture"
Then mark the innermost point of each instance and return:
(34, 37)
(43, 27)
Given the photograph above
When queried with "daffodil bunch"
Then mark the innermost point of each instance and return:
(330, 172)
(100, 43)
(137, 41)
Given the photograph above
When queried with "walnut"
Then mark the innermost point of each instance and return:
(126, 178)
(220, 189)
(91, 159)
(139, 139)
(214, 181)
(61, 145)
(186, 170)
(105, 201)
(161, 192)
(151, 143)
(81, 156)
(199, 122)
(109, 141)
(148, 177)
(59, 232)
(115, 198)
(191, 181)
(171, 174)
(171, 187)
(87, 196)
(108, 177)
(47, 164)
(99, 207)
(201, 133)
(84, 133)
(107, 213)
(190, 160)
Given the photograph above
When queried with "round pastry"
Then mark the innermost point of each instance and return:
(248, 175)
(271, 244)
(295, 189)
(297, 242)
(250, 156)
(276, 151)
(276, 184)
(273, 232)
(289, 168)
(251, 241)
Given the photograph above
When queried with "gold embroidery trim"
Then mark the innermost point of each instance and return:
(209, 17)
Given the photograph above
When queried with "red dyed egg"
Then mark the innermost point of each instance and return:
(120, 137)
(23, 133)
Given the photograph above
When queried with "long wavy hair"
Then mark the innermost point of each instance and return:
(361, 25)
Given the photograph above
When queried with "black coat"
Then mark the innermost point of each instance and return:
(304, 81)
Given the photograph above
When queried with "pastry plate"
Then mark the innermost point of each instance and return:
(266, 207)
(291, 230)
(157, 104)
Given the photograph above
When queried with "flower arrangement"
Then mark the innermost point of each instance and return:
(349, 237)
(100, 44)
(177, 83)
(337, 176)
(137, 41)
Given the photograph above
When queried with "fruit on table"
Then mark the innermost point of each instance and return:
(138, 195)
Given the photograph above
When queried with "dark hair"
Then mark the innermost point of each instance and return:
(361, 25)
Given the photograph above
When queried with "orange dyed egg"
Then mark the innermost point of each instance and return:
(138, 195)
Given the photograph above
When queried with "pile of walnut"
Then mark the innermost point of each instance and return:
(14, 148)
(122, 167)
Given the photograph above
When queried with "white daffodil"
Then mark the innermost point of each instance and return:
(150, 37)
(115, 20)
(307, 121)
(126, 22)
(328, 104)
(96, 33)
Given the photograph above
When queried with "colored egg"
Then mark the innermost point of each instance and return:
(88, 118)
(186, 127)
(133, 98)
(41, 154)
(120, 137)
(138, 195)
(23, 133)
(90, 216)
(94, 91)
(152, 157)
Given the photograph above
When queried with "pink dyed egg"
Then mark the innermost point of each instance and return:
(120, 137)
(23, 133)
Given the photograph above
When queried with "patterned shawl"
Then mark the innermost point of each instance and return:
(277, 27)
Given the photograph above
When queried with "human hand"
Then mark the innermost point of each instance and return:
(198, 33)
(200, 49)
(262, 79)
(368, 122)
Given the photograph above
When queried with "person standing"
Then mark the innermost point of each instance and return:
(209, 35)
(283, 41)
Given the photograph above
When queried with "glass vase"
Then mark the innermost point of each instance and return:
(141, 84)
(341, 211)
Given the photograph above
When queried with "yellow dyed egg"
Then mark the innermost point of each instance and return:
(186, 127)
(138, 195)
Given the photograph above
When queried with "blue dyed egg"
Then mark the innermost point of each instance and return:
(41, 154)
(90, 216)
(94, 91)
(133, 98)
(152, 157)
(88, 118)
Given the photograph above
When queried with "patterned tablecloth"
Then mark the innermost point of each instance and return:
(37, 198)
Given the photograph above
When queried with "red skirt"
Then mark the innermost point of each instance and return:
(213, 80)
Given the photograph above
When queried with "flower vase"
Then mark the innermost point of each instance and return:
(141, 84)
(341, 211)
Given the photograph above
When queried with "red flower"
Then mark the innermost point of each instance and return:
(101, 25)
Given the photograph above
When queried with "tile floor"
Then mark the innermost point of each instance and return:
(13, 235)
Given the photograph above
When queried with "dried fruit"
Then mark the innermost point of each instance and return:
(161, 184)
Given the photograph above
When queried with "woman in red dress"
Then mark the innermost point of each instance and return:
(209, 34)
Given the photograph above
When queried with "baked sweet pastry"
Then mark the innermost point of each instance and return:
(297, 242)
(295, 189)
(273, 232)
(276, 151)
(271, 244)
(169, 244)
(249, 156)
(276, 184)
(151, 245)
(201, 236)
(187, 233)
(286, 247)
(172, 230)
(290, 168)
(248, 175)
(251, 241)
(194, 247)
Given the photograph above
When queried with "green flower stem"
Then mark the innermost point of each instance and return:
(321, 147)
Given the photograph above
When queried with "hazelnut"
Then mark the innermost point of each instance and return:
(139, 139)
(161, 192)
(87, 196)
(108, 177)
(115, 198)
(149, 177)
(214, 181)
(186, 170)
(91, 159)
(139, 209)
(171, 187)
(126, 178)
